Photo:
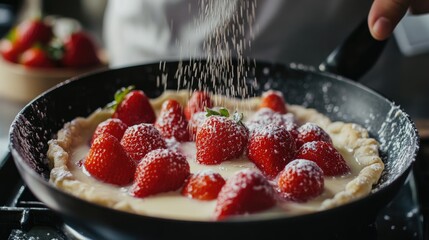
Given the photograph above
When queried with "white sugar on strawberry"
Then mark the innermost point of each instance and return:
(183, 178)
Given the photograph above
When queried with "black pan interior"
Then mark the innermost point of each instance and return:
(340, 99)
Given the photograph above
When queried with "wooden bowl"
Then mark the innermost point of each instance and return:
(22, 84)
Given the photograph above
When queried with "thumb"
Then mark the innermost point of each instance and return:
(385, 15)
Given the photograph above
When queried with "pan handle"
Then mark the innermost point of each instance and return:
(356, 55)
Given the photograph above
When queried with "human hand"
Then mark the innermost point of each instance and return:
(386, 14)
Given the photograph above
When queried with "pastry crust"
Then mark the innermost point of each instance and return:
(349, 136)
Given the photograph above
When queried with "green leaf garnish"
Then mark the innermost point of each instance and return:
(222, 112)
(119, 97)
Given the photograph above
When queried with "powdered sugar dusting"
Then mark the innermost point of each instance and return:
(402, 150)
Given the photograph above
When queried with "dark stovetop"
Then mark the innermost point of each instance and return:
(22, 216)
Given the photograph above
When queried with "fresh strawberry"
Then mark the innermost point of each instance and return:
(265, 116)
(172, 122)
(9, 51)
(245, 192)
(195, 123)
(140, 139)
(273, 100)
(161, 170)
(270, 148)
(301, 180)
(35, 57)
(198, 102)
(30, 32)
(108, 162)
(112, 126)
(220, 138)
(310, 132)
(326, 156)
(133, 107)
(80, 51)
(204, 185)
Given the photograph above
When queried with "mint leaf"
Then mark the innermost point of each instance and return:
(222, 112)
(119, 97)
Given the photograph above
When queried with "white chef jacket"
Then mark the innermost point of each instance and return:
(304, 31)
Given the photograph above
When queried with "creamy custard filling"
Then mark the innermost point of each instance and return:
(68, 151)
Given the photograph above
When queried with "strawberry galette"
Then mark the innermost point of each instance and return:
(209, 157)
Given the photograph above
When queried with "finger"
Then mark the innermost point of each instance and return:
(385, 15)
(420, 7)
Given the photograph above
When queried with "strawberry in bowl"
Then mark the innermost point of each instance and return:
(33, 57)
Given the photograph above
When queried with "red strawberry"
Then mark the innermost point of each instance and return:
(113, 126)
(326, 156)
(36, 57)
(204, 185)
(245, 192)
(172, 122)
(108, 162)
(80, 51)
(161, 170)
(310, 132)
(271, 148)
(140, 139)
(273, 100)
(197, 103)
(195, 123)
(220, 139)
(133, 107)
(301, 180)
(30, 32)
(9, 51)
(265, 116)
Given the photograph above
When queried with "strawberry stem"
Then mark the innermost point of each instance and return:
(238, 117)
(119, 97)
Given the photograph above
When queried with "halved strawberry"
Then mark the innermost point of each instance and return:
(326, 156)
(133, 107)
(108, 162)
(273, 100)
(204, 185)
(245, 192)
(161, 170)
(80, 51)
(198, 102)
(310, 132)
(37, 58)
(195, 123)
(113, 126)
(301, 180)
(271, 147)
(140, 139)
(220, 138)
(172, 122)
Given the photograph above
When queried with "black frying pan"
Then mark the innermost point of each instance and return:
(335, 96)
